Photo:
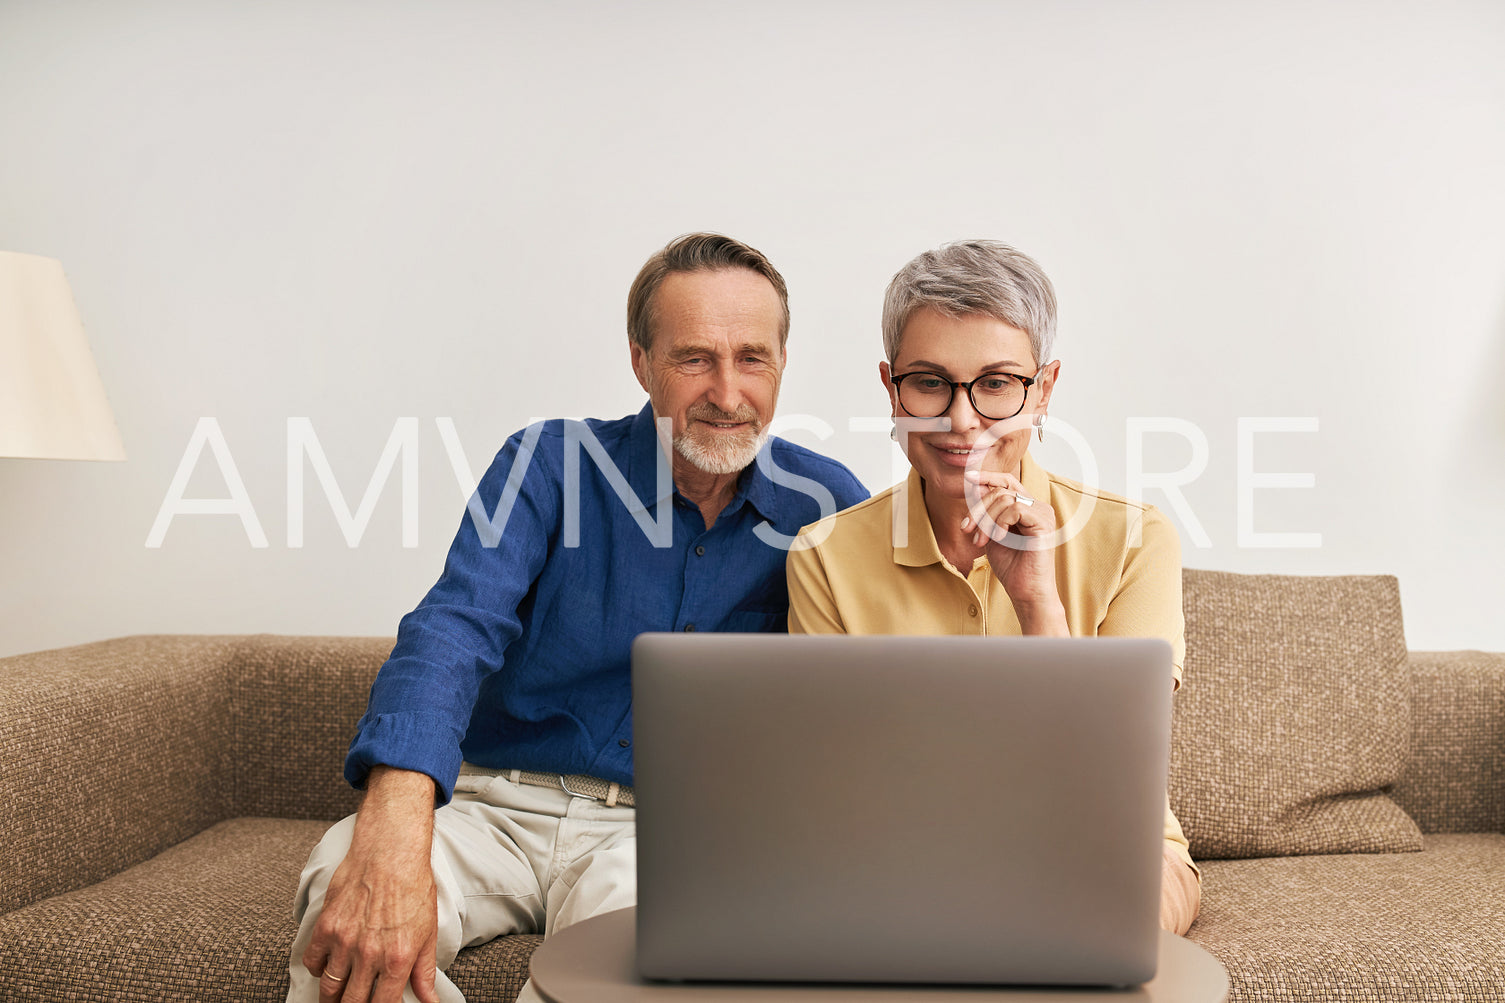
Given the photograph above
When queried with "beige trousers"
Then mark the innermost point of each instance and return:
(507, 858)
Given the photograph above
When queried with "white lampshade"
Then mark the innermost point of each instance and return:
(52, 404)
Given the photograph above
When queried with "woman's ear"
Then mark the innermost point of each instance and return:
(1049, 373)
(888, 387)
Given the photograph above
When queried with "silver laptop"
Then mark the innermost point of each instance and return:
(899, 809)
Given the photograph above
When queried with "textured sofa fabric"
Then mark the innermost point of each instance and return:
(1361, 927)
(1294, 719)
(160, 795)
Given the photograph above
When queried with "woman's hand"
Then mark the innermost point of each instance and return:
(1025, 565)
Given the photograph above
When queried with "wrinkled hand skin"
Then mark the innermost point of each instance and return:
(1180, 893)
(1027, 575)
(379, 927)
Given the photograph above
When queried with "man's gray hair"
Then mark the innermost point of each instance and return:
(967, 277)
(696, 252)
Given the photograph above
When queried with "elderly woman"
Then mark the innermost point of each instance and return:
(979, 539)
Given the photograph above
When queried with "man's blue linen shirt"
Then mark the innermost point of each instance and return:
(519, 656)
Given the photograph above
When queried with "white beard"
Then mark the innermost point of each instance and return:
(720, 454)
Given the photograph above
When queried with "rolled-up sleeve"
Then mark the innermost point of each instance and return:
(423, 697)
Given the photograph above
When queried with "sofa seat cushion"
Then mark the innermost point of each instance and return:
(1403, 926)
(208, 919)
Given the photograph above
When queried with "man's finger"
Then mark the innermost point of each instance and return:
(426, 969)
(333, 981)
(424, 977)
(357, 987)
(389, 987)
(315, 957)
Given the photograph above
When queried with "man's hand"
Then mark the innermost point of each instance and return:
(1180, 893)
(379, 927)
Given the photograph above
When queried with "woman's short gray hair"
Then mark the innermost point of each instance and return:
(968, 277)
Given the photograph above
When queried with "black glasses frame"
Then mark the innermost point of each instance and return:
(1028, 382)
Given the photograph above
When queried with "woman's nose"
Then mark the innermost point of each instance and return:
(961, 412)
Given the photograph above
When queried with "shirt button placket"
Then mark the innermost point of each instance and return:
(693, 572)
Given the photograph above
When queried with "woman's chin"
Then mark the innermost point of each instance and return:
(949, 480)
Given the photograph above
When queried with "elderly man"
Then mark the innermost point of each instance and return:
(507, 696)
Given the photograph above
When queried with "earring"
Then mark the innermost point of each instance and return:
(1040, 426)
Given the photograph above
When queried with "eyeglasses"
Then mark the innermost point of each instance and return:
(995, 396)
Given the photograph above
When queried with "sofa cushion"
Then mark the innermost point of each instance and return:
(1294, 716)
(208, 919)
(1405, 926)
(1455, 775)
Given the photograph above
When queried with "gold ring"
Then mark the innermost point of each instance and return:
(328, 975)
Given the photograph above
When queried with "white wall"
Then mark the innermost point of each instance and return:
(358, 212)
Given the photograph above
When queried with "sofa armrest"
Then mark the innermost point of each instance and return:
(1455, 778)
(295, 702)
(109, 754)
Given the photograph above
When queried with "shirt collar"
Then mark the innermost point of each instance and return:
(914, 538)
(755, 486)
(646, 453)
(1035, 478)
(644, 458)
(920, 548)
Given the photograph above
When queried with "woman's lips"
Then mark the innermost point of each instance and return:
(953, 455)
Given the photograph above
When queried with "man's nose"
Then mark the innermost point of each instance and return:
(725, 389)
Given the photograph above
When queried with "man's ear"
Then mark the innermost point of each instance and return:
(639, 364)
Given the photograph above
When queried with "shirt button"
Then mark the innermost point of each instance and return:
(623, 742)
(972, 610)
(699, 551)
(689, 628)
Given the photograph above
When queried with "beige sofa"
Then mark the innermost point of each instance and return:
(158, 796)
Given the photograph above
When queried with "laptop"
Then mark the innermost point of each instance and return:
(899, 809)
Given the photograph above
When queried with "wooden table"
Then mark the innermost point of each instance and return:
(594, 962)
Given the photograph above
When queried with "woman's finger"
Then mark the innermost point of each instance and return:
(990, 480)
(994, 518)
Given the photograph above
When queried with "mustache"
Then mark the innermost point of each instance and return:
(710, 412)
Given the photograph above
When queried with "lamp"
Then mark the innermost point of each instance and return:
(52, 403)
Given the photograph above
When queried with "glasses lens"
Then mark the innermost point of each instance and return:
(925, 396)
(998, 396)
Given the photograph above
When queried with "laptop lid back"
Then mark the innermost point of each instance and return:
(900, 809)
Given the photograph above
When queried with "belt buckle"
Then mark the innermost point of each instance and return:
(574, 794)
